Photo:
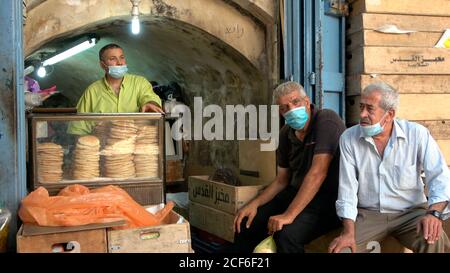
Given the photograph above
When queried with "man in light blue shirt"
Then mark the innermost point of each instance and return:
(381, 192)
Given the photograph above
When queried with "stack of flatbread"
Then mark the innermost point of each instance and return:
(49, 162)
(146, 153)
(101, 130)
(118, 152)
(86, 158)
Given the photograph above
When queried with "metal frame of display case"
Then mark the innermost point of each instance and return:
(178, 143)
(131, 185)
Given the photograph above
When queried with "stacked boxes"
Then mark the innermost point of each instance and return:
(393, 41)
(213, 205)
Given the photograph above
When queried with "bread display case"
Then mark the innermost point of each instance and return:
(95, 150)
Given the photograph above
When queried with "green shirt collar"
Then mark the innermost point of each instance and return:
(108, 87)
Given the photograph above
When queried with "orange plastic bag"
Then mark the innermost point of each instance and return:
(77, 205)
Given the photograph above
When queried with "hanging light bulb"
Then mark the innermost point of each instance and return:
(41, 72)
(135, 24)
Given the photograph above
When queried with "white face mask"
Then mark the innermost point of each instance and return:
(374, 129)
(117, 71)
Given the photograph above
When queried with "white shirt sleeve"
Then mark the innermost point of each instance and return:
(437, 175)
(347, 202)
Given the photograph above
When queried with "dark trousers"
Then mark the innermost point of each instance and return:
(311, 223)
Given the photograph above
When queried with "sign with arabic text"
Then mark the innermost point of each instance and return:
(219, 195)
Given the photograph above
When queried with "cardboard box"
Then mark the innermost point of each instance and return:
(220, 196)
(213, 205)
(256, 167)
(173, 236)
(212, 220)
(79, 239)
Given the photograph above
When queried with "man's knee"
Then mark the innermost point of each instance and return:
(283, 236)
(442, 245)
(287, 241)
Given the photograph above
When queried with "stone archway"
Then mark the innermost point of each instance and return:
(54, 18)
(214, 49)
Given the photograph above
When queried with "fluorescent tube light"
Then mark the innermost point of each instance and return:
(70, 52)
(28, 70)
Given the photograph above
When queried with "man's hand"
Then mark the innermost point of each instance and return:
(151, 107)
(277, 222)
(247, 211)
(343, 241)
(431, 228)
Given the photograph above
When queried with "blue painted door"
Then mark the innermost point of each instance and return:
(314, 52)
(12, 113)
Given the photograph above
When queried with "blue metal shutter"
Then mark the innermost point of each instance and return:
(314, 52)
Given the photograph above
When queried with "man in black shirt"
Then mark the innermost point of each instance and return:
(298, 206)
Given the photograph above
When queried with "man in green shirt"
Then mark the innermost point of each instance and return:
(117, 92)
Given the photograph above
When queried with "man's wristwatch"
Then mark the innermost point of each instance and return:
(436, 214)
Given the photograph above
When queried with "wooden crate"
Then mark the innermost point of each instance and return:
(374, 38)
(86, 241)
(439, 129)
(444, 145)
(404, 84)
(171, 237)
(373, 21)
(398, 60)
(414, 7)
(212, 220)
(412, 107)
(220, 196)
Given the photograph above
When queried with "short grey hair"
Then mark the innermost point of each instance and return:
(389, 96)
(287, 88)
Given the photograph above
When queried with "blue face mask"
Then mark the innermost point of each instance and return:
(374, 129)
(118, 71)
(296, 118)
